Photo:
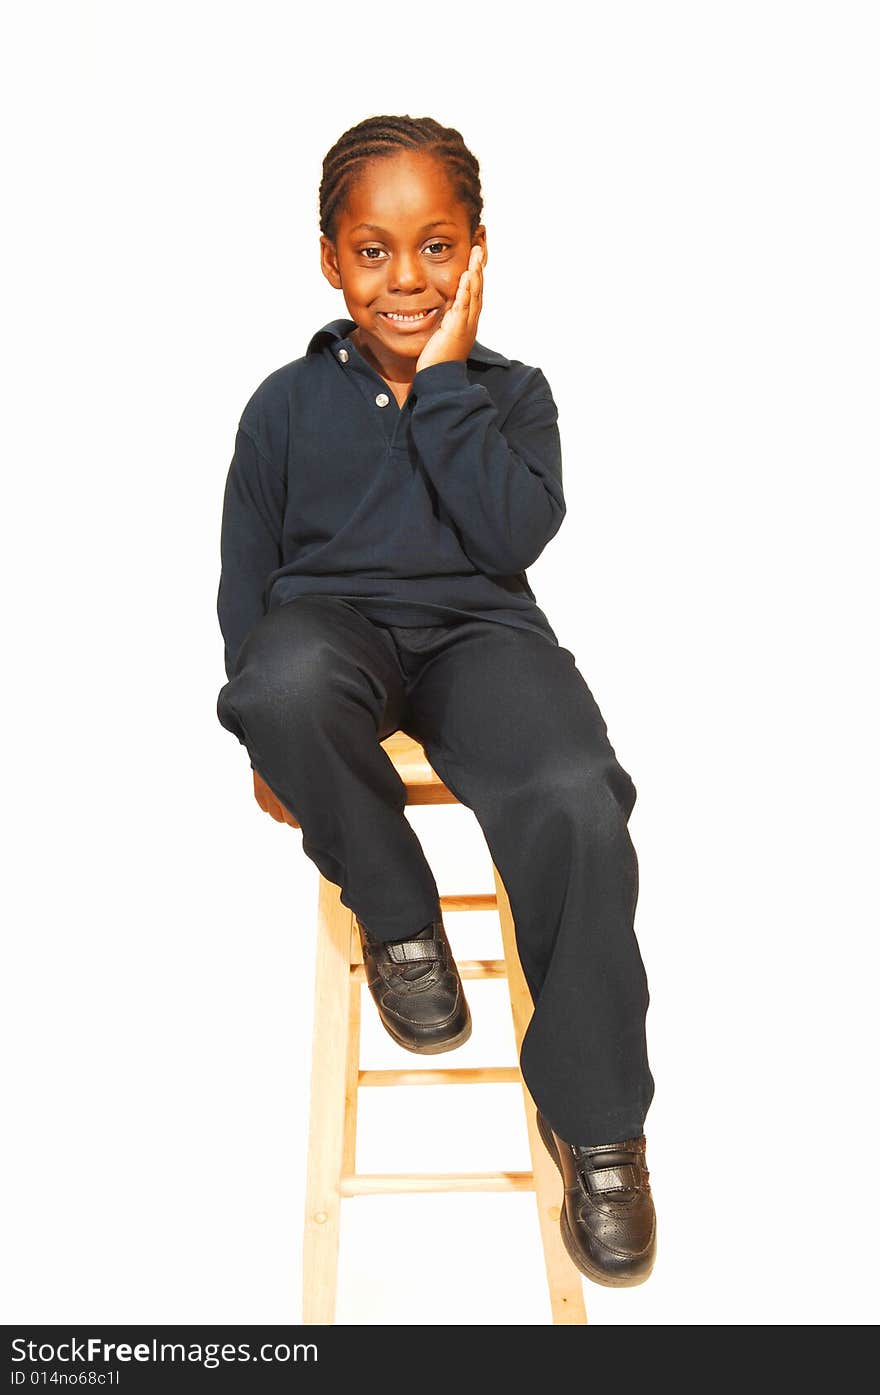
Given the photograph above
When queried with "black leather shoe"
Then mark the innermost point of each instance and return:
(608, 1223)
(416, 987)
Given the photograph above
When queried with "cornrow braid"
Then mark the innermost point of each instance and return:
(382, 136)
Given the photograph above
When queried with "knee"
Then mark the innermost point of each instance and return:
(593, 791)
(282, 682)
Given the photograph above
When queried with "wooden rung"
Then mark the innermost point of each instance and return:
(467, 968)
(470, 901)
(374, 1183)
(482, 968)
(455, 1075)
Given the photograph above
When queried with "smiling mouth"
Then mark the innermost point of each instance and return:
(397, 318)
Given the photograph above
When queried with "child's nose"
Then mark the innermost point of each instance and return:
(405, 269)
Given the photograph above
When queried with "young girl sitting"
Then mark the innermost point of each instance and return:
(388, 490)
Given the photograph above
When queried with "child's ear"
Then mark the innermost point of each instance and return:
(330, 263)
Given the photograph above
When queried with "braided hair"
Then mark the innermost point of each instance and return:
(382, 136)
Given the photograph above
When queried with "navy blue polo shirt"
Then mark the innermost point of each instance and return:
(415, 514)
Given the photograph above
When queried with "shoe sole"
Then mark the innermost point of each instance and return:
(568, 1240)
(431, 1048)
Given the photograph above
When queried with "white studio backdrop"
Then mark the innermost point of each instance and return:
(682, 214)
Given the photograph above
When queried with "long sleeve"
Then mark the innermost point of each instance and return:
(503, 490)
(250, 541)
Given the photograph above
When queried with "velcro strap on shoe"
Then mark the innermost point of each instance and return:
(624, 1177)
(408, 951)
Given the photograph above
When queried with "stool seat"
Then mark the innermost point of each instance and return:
(337, 1078)
(423, 784)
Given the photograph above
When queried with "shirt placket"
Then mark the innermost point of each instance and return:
(375, 392)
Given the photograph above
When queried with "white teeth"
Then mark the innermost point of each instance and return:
(389, 316)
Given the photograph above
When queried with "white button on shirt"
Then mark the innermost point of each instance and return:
(382, 399)
(343, 354)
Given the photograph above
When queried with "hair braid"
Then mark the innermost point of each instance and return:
(379, 137)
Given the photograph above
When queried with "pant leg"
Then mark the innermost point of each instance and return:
(509, 724)
(316, 687)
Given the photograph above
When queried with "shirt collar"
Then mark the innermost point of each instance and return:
(340, 329)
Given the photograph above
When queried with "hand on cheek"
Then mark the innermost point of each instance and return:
(454, 336)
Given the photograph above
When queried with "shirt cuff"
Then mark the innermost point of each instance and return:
(441, 377)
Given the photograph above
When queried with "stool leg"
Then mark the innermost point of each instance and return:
(353, 1062)
(331, 1064)
(563, 1280)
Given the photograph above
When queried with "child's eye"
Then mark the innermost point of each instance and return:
(365, 251)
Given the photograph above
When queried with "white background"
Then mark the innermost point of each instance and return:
(682, 213)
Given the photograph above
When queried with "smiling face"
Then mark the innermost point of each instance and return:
(402, 242)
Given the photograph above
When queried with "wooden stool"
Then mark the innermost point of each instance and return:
(337, 1077)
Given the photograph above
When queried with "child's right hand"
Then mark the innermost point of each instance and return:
(270, 803)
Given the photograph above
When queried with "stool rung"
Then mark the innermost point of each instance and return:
(470, 901)
(454, 1075)
(467, 968)
(482, 968)
(375, 1183)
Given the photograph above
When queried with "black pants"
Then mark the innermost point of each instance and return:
(509, 724)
